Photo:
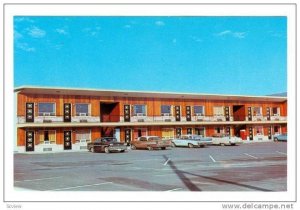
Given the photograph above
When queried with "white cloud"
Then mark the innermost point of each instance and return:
(23, 19)
(159, 23)
(239, 35)
(223, 33)
(235, 34)
(25, 47)
(196, 39)
(36, 32)
(92, 31)
(61, 31)
(17, 35)
(127, 26)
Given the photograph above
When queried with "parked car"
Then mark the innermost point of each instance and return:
(150, 143)
(280, 137)
(107, 145)
(191, 141)
(225, 139)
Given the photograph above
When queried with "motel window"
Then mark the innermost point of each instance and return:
(259, 130)
(139, 110)
(47, 137)
(166, 110)
(82, 109)
(138, 132)
(200, 131)
(83, 136)
(276, 129)
(218, 110)
(257, 111)
(276, 111)
(219, 130)
(199, 110)
(46, 109)
(167, 133)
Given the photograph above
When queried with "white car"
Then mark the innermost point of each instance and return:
(225, 139)
(191, 141)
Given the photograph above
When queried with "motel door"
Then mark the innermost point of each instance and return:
(29, 141)
(177, 113)
(127, 113)
(67, 140)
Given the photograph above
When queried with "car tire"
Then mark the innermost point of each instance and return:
(122, 151)
(106, 150)
(149, 148)
(275, 139)
(133, 147)
(201, 146)
(190, 145)
(92, 150)
(163, 148)
(173, 145)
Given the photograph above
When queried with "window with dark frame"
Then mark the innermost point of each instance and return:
(82, 109)
(139, 110)
(46, 109)
(199, 110)
(165, 109)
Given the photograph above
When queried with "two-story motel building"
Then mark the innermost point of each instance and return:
(57, 119)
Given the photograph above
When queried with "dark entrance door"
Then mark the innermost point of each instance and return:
(29, 112)
(67, 112)
(127, 113)
(67, 140)
(177, 113)
(29, 141)
(128, 136)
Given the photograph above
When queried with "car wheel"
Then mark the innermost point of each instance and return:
(202, 146)
(106, 150)
(275, 139)
(92, 149)
(122, 150)
(190, 145)
(173, 145)
(149, 148)
(163, 148)
(133, 147)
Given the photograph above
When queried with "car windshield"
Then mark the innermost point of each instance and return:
(110, 139)
(156, 138)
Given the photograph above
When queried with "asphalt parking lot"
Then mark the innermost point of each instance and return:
(247, 167)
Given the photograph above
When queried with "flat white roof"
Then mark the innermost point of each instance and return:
(141, 94)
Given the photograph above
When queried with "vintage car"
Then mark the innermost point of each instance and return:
(191, 141)
(280, 137)
(150, 143)
(225, 139)
(107, 145)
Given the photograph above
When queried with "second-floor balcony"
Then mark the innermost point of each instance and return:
(145, 118)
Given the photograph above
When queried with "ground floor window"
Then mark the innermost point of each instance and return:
(200, 131)
(219, 130)
(277, 129)
(46, 137)
(138, 132)
(259, 130)
(167, 133)
(83, 136)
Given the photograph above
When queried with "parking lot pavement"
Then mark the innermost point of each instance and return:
(248, 167)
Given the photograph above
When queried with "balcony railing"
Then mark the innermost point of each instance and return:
(160, 118)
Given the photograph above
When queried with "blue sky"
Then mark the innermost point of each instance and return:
(220, 55)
